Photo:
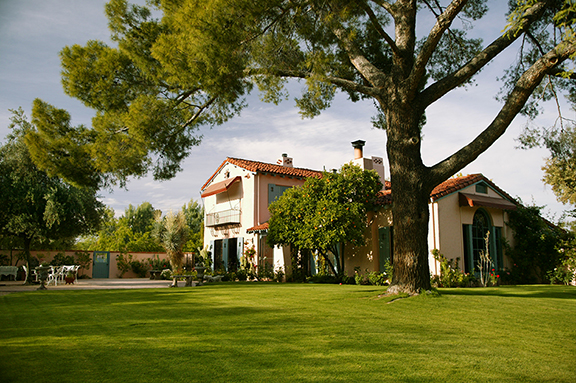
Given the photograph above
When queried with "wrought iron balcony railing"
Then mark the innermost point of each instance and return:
(223, 217)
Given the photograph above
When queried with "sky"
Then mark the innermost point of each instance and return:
(32, 33)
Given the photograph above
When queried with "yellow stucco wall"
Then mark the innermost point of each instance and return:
(367, 257)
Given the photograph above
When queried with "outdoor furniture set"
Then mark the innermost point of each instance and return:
(62, 274)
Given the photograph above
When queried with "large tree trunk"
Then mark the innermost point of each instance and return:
(410, 195)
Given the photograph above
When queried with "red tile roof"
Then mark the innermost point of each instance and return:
(447, 187)
(262, 167)
(259, 228)
(454, 184)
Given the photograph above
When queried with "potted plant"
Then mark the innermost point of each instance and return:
(69, 278)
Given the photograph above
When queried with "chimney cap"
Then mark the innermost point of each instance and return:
(358, 144)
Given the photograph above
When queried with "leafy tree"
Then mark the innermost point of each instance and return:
(141, 218)
(325, 213)
(560, 168)
(130, 233)
(194, 65)
(37, 206)
(536, 245)
(194, 215)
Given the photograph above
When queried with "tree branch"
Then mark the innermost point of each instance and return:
(386, 5)
(199, 112)
(452, 81)
(370, 72)
(514, 103)
(338, 81)
(443, 22)
(378, 27)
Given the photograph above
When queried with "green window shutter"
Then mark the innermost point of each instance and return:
(225, 250)
(386, 246)
(468, 246)
(496, 248)
(275, 192)
(240, 248)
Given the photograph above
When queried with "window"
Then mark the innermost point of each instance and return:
(275, 191)
(475, 242)
(482, 188)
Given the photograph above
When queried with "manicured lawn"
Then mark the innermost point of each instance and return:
(247, 332)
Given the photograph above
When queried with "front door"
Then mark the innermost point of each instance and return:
(101, 264)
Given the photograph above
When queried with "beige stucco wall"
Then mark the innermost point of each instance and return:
(445, 227)
(367, 257)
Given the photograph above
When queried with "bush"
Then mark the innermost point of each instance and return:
(155, 263)
(450, 275)
(377, 279)
(279, 274)
(140, 268)
(61, 259)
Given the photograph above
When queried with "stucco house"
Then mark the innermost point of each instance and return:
(462, 210)
(236, 199)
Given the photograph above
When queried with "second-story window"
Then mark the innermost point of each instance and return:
(275, 191)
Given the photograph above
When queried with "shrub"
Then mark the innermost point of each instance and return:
(377, 279)
(140, 268)
(450, 274)
(83, 259)
(155, 263)
(279, 274)
(61, 259)
(359, 276)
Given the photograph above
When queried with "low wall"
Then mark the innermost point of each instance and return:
(48, 256)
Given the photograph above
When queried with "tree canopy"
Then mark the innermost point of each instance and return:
(166, 76)
(36, 205)
(325, 214)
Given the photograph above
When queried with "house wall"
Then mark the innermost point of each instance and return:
(261, 199)
(445, 227)
(237, 197)
(367, 257)
(250, 195)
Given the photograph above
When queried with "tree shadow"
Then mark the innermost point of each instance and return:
(524, 291)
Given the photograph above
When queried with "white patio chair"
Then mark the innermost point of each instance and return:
(55, 275)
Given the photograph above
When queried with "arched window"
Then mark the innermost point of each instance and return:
(475, 241)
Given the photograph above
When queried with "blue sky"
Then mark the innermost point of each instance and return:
(32, 32)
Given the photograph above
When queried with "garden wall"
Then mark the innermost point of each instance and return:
(114, 272)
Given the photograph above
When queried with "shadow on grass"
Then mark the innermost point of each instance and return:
(528, 291)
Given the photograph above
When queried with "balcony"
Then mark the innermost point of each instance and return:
(223, 217)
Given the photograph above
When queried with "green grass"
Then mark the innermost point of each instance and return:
(247, 332)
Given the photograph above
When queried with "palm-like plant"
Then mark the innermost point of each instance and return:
(172, 233)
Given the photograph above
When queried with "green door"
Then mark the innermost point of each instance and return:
(385, 242)
(101, 264)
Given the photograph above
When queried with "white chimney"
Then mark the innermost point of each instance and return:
(285, 161)
(378, 165)
(374, 163)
